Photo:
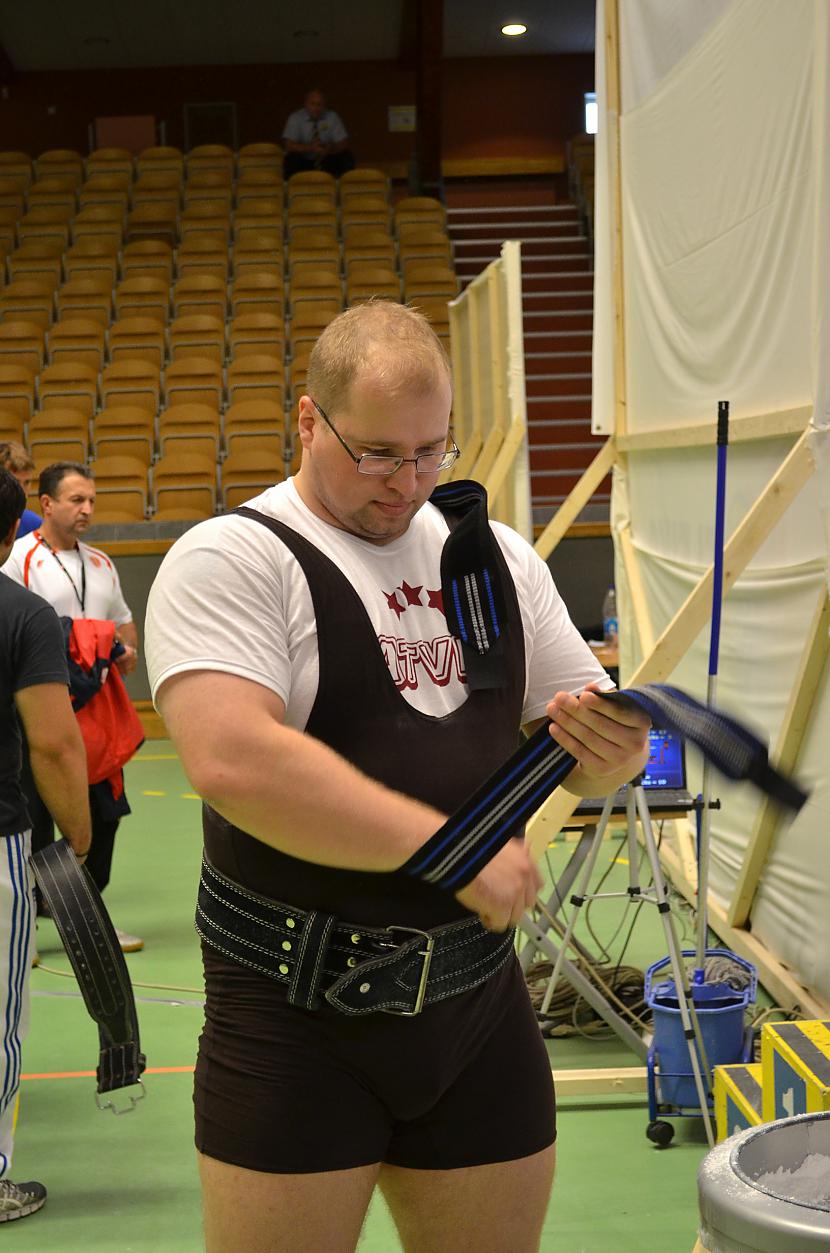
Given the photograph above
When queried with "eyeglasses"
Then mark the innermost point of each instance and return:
(376, 463)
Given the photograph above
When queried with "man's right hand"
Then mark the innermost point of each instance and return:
(506, 887)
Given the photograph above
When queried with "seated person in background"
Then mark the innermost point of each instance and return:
(15, 459)
(315, 138)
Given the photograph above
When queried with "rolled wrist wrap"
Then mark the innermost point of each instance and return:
(475, 833)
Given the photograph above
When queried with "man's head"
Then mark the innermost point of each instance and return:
(15, 459)
(12, 504)
(381, 376)
(315, 103)
(67, 500)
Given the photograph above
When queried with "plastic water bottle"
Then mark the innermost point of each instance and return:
(610, 631)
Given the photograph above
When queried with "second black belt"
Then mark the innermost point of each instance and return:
(357, 970)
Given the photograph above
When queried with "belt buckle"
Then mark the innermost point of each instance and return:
(426, 954)
(127, 1109)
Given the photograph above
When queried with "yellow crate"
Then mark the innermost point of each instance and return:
(737, 1098)
(796, 1062)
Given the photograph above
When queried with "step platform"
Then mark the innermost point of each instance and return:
(738, 1098)
(796, 1068)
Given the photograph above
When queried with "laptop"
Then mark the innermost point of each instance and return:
(664, 779)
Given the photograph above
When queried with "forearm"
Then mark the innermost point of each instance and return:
(580, 782)
(127, 633)
(61, 778)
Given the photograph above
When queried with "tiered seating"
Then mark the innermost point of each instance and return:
(157, 314)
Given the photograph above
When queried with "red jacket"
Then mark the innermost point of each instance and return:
(110, 726)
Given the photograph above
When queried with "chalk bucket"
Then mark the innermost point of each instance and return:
(767, 1189)
(720, 1012)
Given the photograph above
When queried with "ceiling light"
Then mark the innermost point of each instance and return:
(514, 28)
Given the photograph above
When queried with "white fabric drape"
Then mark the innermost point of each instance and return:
(725, 185)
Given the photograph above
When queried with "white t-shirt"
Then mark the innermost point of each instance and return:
(230, 596)
(66, 578)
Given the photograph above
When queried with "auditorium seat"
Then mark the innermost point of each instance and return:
(16, 165)
(206, 217)
(311, 211)
(153, 221)
(260, 156)
(257, 291)
(430, 278)
(193, 380)
(435, 310)
(197, 335)
(103, 222)
(364, 211)
(28, 300)
(40, 259)
(88, 296)
(420, 211)
(59, 433)
(256, 333)
(80, 339)
(131, 382)
(184, 480)
(258, 184)
(256, 376)
(367, 281)
(258, 249)
(106, 189)
(158, 187)
(368, 243)
(312, 183)
(17, 390)
(317, 250)
(363, 181)
(315, 283)
(114, 503)
(22, 343)
(200, 294)
(13, 194)
(124, 430)
(210, 157)
(45, 222)
(257, 214)
(310, 317)
(53, 192)
(11, 425)
(208, 186)
(190, 427)
(148, 257)
(60, 161)
(110, 161)
(247, 472)
(143, 297)
(252, 417)
(202, 254)
(165, 158)
(422, 243)
(92, 255)
(138, 338)
(120, 474)
(68, 383)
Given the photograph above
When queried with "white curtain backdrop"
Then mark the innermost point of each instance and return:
(724, 136)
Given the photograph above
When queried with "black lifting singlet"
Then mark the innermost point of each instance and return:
(359, 713)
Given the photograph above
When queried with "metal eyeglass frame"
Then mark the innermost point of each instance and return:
(448, 458)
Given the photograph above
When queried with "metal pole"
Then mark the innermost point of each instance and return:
(711, 691)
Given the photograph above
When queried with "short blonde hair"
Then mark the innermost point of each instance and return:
(14, 457)
(390, 343)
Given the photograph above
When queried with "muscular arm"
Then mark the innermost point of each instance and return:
(294, 793)
(58, 758)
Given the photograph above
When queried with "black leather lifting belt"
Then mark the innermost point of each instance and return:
(95, 954)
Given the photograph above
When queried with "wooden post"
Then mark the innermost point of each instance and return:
(790, 739)
(577, 499)
(639, 600)
(613, 109)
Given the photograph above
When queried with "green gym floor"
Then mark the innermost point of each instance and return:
(130, 1183)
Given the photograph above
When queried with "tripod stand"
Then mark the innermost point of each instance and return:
(655, 894)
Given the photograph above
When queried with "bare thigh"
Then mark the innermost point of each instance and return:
(498, 1208)
(265, 1213)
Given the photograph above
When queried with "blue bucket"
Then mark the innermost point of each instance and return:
(720, 1013)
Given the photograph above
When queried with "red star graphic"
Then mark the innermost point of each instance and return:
(412, 594)
(393, 602)
(436, 599)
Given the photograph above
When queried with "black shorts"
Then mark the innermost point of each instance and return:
(277, 1089)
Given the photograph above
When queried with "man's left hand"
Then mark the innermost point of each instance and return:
(608, 740)
(128, 660)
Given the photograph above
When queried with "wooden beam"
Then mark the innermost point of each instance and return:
(613, 110)
(604, 1081)
(636, 587)
(702, 434)
(745, 541)
(577, 499)
(790, 738)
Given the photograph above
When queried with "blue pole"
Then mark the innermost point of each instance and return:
(714, 651)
